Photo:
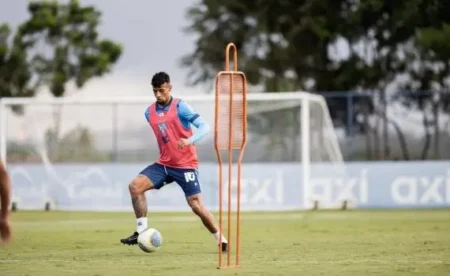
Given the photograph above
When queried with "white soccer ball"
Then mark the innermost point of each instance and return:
(150, 240)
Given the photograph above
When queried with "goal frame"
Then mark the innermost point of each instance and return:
(302, 96)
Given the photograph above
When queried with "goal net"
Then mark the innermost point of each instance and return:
(81, 153)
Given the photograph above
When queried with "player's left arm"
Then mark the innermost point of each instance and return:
(187, 113)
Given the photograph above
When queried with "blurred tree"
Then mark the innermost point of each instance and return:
(15, 74)
(405, 34)
(284, 46)
(376, 31)
(292, 45)
(429, 70)
(281, 45)
(66, 46)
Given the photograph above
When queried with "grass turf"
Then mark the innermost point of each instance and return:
(383, 242)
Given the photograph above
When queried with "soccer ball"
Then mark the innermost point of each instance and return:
(150, 240)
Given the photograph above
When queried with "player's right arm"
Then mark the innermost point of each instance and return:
(5, 197)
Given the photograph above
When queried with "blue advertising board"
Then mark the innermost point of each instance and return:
(265, 186)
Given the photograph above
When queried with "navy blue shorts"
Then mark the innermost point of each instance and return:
(161, 175)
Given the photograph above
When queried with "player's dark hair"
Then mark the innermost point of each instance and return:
(160, 78)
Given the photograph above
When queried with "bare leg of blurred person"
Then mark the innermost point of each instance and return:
(5, 197)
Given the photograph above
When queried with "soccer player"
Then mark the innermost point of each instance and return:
(170, 119)
(5, 197)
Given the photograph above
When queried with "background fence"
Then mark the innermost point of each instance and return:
(370, 126)
(405, 125)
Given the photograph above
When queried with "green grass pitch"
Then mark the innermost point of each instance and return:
(288, 243)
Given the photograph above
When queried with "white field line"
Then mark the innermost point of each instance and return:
(245, 217)
(187, 218)
(281, 261)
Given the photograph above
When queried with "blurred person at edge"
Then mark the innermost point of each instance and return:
(5, 199)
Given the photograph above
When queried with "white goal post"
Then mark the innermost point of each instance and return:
(283, 129)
